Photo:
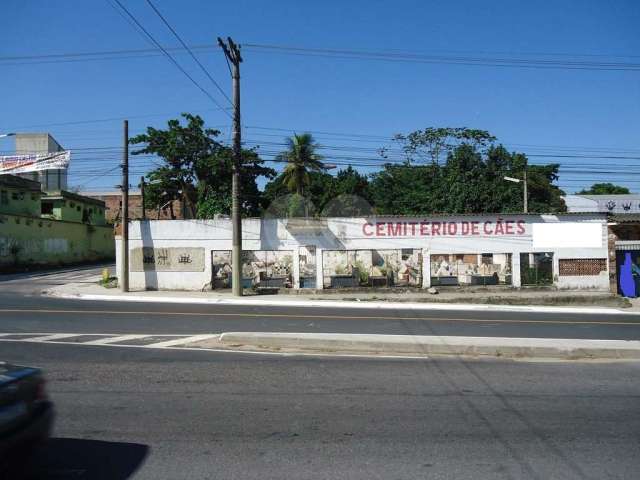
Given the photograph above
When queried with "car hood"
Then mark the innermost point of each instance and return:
(10, 373)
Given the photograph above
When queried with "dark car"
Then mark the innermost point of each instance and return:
(26, 414)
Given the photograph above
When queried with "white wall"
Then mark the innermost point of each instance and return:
(515, 235)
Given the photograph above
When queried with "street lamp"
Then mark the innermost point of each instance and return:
(524, 191)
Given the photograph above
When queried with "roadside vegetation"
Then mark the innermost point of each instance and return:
(443, 170)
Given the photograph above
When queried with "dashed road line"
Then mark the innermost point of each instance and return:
(181, 344)
(55, 336)
(181, 341)
(108, 340)
(104, 339)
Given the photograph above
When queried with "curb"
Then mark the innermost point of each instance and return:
(344, 304)
(540, 348)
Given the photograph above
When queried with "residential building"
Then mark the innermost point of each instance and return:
(49, 229)
(19, 196)
(173, 210)
(71, 207)
(38, 143)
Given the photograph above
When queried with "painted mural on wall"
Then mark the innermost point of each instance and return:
(173, 259)
(268, 267)
(392, 267)
(471, 269)
(259, 268)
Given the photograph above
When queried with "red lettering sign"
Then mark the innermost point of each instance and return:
(497, 227)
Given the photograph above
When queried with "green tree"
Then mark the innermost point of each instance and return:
(406, 189)
(301, 157)
(604, 189)
(433, 143)
(470, 181)
(197, 169)
(318, 191)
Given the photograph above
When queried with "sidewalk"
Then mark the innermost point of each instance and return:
(509, 300)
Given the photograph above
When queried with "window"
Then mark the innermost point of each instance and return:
(71, 204)
(536, 268)
(46, 208)
(582, 266)
(21, 195)
(78, 208)
(34, 196)
(4, 197)
(14, 195)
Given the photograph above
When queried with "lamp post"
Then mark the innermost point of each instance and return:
(524, 190)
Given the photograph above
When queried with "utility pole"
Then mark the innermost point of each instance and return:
(144, 215)
(232, 52)
(124, 244)
(526, 196)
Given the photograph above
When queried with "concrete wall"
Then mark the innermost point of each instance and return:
(35, 241)
(497, 234)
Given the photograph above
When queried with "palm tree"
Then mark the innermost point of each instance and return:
(301, 158)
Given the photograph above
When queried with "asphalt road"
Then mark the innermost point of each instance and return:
(168, 414)
(23, 309)
(158, 414)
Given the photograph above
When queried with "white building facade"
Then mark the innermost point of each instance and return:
(568, 251)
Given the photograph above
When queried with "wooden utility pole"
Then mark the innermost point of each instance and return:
(526, 195)
(232, 52)
(144, 215)
(124, 244)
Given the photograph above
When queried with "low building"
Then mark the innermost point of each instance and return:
(624, 236)
(53, 229)
(39, 143)
(19, 196)
(567, 251)
(71, 207)
(173, 210)
(614, 204)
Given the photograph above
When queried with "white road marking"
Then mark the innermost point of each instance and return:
(55, 336)
(187, 339)
(119, 338)
(181, 341)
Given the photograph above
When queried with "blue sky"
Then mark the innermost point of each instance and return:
(538, 111)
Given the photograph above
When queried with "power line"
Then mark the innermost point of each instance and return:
(206, 72)
(444, 59)
(173, 60)
(465, 58)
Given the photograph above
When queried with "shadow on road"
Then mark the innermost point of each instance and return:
(79, 459)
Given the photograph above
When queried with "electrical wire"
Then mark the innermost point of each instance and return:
(175, 34)
(173, 60)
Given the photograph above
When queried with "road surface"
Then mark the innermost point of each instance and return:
(149, 413)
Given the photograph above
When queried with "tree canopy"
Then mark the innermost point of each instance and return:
(197, 169)
(301, 158)
(604, 189)
(468, 182)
